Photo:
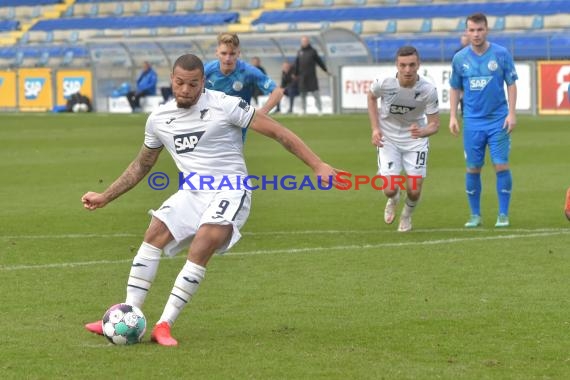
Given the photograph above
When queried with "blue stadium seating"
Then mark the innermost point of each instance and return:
(541, 27)
(17, 3)
(36, 51)
(414, 11)
(535, 46)
(8, 25)
(134, 22)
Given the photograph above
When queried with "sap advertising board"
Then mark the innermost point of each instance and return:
(355, 83)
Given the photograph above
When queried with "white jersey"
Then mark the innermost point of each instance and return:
(400, 107)
(205, 140)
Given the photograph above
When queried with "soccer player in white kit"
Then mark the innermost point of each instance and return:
(400, 131)
(202, 131)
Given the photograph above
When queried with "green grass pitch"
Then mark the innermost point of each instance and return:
(318, 287)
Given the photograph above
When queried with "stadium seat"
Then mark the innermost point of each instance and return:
(144, 7)
(24, 39)
(8, 25)
(412, 25)
(499, 24)
(73, 36)
(374, 27)
(514, 22)
(350, 25)
(67, 58)
(44, 59)
(108, 8)
(28, 12)
(187, 6)
(558, 44)
(440, 24)
(556, 21)
(36, 36)
(19, 3)
(132, 22)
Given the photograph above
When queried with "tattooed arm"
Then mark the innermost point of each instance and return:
(268, 127)
(131, 176)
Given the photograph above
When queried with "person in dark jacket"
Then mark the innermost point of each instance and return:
(146, 85)
(289, 84)
(306, 73)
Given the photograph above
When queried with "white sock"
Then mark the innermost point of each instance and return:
(143, 271)
(185, 286)
(409, 207)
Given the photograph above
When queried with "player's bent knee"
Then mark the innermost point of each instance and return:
(414, 195)
(157, 233)
(209, 239)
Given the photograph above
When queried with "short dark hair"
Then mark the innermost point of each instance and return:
(477, 18)
(189, 62)
(407, 50)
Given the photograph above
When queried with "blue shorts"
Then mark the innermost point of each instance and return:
(475, 142)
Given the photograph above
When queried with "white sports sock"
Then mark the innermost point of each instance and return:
(143, 271)
(185, 286)
(409, 207)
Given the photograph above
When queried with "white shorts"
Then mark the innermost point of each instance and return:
(392, 159)
(185, 211)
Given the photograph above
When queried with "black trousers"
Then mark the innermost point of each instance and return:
(135, 98)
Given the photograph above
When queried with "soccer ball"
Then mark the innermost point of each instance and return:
(124, 324)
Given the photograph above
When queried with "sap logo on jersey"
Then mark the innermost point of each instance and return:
(33, 87)
(479, 83)
(187, 142)
(71, 85)
(400, 110)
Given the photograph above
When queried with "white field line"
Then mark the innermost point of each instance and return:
(524, 235)
(270, 233)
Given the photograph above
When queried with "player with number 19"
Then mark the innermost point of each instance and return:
(400, 130)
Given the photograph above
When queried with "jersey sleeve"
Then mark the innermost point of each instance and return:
(376, 87)
(239, 112)
(209, 68)
(151, 140)
(509, 69)
(432, 104)
(455, 80)
(262, 81)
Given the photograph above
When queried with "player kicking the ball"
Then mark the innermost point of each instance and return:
(400, 130)
(202, 131)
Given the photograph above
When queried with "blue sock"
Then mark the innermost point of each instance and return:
(473, 190)
(504, 187)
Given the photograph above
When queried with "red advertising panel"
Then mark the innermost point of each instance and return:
(553, 82)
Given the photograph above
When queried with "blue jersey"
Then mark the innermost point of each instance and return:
(482, 79)
(240, 82)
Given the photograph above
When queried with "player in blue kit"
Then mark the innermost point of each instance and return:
(235, 77)
(481, 70)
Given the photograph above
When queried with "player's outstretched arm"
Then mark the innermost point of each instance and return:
(268, 127)
(131, 176)
(273, 100)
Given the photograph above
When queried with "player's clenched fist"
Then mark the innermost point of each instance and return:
(92, 201)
